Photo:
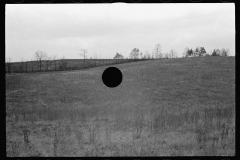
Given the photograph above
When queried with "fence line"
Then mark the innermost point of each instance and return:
(63, 65)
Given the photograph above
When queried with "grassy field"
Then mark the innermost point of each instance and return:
(167, 107)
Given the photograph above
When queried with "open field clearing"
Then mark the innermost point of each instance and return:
(166, 107)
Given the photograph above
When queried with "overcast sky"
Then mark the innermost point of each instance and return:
(104, 29)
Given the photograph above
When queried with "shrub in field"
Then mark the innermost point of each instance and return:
(93, 128)
(138, 123)
(213, 130)
(201, 136)
(26, 135)
(79, 136)
(55, 144)
(108, 132)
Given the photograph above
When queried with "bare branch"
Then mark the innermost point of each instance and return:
(84, 55)
(40, 56)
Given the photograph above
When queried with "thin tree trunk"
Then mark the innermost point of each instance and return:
(84, 60)
(32, 66)
(26, 66)
(22, 68)
(40, 63)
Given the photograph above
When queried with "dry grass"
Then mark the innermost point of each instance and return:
(173, 108)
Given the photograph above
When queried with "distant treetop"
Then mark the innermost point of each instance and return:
(118, 56)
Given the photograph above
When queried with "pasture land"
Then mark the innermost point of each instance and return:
(166, 107)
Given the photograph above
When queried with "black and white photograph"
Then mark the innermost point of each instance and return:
(120, 79)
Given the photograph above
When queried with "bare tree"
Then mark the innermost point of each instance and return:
(185, 52)
(173, 53)
(32, 64)
(134, 53)
(48, 63)
(146, 55)
(224, 52)
(118, 56)
(40, 56)
(227, 51)
(63, 63)
(26, 65)
(84, 51)
(157, 51)
(54, 58)
(22, 66)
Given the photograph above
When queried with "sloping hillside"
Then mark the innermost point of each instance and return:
(156, 98)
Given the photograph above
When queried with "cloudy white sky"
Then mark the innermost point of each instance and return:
(104, 29)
